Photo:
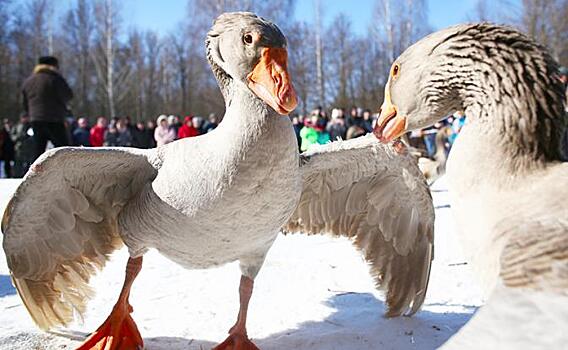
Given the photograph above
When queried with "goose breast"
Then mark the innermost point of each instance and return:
(212, 225)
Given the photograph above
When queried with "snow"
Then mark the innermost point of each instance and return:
(312, 293)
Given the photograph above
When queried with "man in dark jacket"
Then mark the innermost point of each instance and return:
(46, 95)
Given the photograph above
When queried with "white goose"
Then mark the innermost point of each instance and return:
(214, 199)
(506, 178)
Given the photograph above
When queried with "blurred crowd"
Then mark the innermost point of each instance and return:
(17, 148)
(318, 127)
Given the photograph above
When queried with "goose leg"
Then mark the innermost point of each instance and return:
(238, 339)
(119, 332)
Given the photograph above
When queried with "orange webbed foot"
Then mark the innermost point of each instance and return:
(236, 341)
(118, 332)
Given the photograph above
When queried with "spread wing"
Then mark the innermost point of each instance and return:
(367, 191)
(61, 224)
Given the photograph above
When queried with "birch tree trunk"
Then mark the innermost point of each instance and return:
(319, 56)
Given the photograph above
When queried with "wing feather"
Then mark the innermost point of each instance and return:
(60, 225)
(366, 191)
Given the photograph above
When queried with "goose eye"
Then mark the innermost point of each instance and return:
(395, 70)
(248, 39)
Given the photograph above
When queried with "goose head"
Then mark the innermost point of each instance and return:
(501, 78)
(246, 51)
(414, 98)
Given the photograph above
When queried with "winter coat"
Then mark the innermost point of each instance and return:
(46, 95)
(187, 131)
(323, 137)
(81, 137)
(163, 135)
(209, 126)
(309, 137)
(142, 138)
(118, 138)
(124, 138)
(97, 136)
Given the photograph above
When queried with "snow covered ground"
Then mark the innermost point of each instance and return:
(312, 293)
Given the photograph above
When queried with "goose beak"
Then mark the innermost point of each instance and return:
(390, 124)
(270, 80)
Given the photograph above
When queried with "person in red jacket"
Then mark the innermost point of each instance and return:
(97, 136)
(187, 129)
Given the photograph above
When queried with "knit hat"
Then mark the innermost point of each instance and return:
(48, 60)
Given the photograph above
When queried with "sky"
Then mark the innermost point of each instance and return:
(164, 15)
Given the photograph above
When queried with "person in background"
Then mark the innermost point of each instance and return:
(22, 137)
(7, 125)
(113, 121)
(318, 111)
(6, 149)
(297, 128)
(97, 134)
(323, 135)
(140, 137)
(131, 127)
(124, 137)
(211, 124)
(163, 134)
(187, 129)
(336, 126)
(198, 124)
(350, 120)
(367, 120)
(174, 124)
(356, 125)
(429, 137)
(111, 136)
(309, 133)
(457, 125)
(150, 129)
(46, 95)
(70, 125)
(81, 135)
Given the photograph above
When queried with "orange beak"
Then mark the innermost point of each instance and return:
(271, 82)
(390, 125)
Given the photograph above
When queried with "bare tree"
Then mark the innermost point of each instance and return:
(340, 63)
(302, 62)
(110, 76)
(320, 77)
(6, 97)
(78, 38)
(545, 21)
(38, 22)
(411, 24)
(480, 12)
(137, 54)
